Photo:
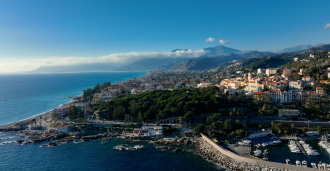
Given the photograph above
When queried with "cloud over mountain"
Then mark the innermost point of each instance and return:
(225, 41)
(31, 64)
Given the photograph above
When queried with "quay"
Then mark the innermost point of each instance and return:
(219, 155)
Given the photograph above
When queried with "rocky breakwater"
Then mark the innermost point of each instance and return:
(183, 141)
(214, 155)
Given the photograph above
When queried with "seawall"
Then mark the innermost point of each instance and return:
(216, 154)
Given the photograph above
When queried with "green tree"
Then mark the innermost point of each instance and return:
(272, 123)
(189, 116)
(200, 128)
(319, 129)
(54, 114)
(304, 129)
(286, 132)
(73, 113)
(293, 126)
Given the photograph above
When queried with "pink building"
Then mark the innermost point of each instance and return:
(61, 111)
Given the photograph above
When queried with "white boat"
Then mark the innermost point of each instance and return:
(257, 152)
(245, 143)
(288, 161)
(314, 165)
(304, 163)
(298, 163)
(264, 158)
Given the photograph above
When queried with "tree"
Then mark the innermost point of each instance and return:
(286, 132)
(200, 128)
(264, 108)
(319, 129)
(231, 113)
(234, 110)
(272, 123)
(304, 129)
(139, 119)
(180, 120)
(279, 131)
(293, 126)
(73, 113)
(189, 116)
(54, 114)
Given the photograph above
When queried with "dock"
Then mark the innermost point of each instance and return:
(300, 146)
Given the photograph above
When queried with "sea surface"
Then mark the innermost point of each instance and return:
(27, 95)
(24, 96)
(93, 155)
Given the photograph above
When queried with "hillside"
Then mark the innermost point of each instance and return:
(206, 63)
(281, 59)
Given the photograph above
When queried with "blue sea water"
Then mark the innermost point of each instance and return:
(24, 96)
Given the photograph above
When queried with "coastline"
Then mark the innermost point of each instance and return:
(47, 114)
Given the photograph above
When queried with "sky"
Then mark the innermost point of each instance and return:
(38, 32)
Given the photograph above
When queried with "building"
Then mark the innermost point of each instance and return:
(319, 90)
(81, 106)
(295, 59)
(249, 76)
(296, 85)
(61, 111)
(328, 74)
(203, 85)
(311, 55)
(286, 71)
(288, 112)
(270, 71)
(239, 72)
(260, 71)
(64, 128)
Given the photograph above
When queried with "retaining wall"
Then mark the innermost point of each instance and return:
(254, 161)
(288, 123)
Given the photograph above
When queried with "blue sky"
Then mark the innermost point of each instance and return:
(34, 33)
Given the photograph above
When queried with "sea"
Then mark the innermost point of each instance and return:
(27, 95)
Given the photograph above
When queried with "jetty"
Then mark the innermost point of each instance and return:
(232, 161)
(300, 146)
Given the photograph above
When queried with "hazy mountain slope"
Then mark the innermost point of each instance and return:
(148, 64)
(79, 68)
(220, 50)
(281, 59)
(205, 63)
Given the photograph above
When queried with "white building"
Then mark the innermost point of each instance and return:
(80, 105)
(64, 128)
(311, 55)
(260, 71)
(296, 85)
(203, 85)
(286, 71)
(270, 71)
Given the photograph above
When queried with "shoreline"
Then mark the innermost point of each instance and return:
(48, 113)
(43, 115)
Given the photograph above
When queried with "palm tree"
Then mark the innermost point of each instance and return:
(272, 123)
(293, 126)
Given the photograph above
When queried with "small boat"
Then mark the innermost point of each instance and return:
(298, 163)
(257, 152)
(245, 143)
(288, 161)
(264, 158)
(76, 142)
(304, 163)
(314, 165)
(320, 166)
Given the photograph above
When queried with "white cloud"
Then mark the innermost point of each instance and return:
(326, 26)
(210, 39)
(31, 64)
(225, 41)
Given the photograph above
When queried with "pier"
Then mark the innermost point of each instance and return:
(300, 146)
(217, 154)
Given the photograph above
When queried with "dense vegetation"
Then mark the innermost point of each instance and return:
(161, 104)
(91, 91)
